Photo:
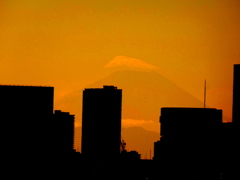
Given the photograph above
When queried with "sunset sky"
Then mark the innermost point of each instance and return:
(70, 44)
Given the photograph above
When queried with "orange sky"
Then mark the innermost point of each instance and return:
(67, 43)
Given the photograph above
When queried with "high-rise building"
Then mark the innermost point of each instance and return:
(189, 134)
(193, 124)
(236, 94)
(26, 125)
(64, 132)
(101, 123)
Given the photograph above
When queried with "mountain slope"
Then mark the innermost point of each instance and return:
(143, 95)
(146, 92)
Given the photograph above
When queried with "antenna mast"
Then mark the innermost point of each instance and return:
(205, 94)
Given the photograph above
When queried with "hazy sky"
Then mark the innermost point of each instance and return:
(67, 43)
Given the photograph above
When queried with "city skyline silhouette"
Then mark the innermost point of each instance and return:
(172, 60)
(190, 144)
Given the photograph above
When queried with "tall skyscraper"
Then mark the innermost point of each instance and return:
(188, 124)
(26, 126)
(189, 135)
(236, 94)
(101, 123)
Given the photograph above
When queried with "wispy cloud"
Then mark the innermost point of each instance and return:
(134, 122)
(127, 123)
(123, 61)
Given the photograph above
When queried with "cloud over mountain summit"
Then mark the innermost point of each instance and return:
(130, 63)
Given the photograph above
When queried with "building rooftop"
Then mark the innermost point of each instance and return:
(109, 87)
(10, 85)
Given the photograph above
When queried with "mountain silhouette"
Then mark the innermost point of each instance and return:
(143, 95)
(146, 92)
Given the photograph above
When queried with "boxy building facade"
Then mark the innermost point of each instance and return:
(101, 123)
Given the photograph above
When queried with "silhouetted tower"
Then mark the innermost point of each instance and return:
(26, 121)
(101, 123)
(236, 94)
(191, 133)
(189, 123)
(64, 129)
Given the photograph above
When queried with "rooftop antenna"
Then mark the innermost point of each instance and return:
(205, 93)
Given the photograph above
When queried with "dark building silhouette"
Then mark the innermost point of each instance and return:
(229, 143)
(236, 94)
(64, 129)
(130, 156)
(26, 122)
(157, 150)
(190, 137)
(101, 123)
(179, 124)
